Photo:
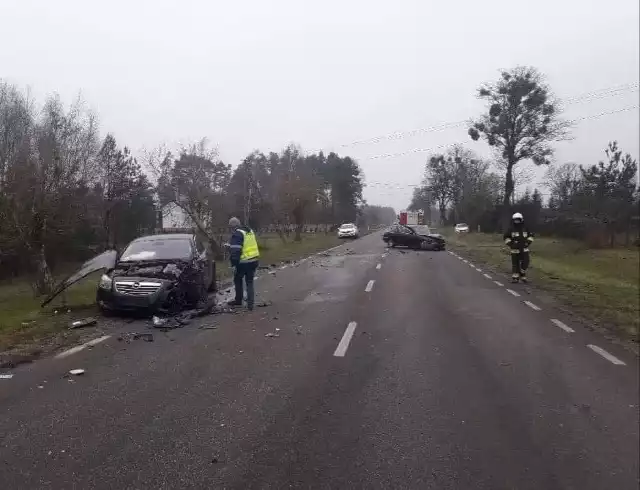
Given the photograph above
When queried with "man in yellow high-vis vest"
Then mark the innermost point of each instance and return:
(244, 257)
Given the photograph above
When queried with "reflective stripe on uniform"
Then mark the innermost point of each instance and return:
(507, 241)
(235, 246)
(250, 252)
(515, 251)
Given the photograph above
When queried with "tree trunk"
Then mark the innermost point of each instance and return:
(506, 201)
(443, 213)
(298, 236)
(43, 280)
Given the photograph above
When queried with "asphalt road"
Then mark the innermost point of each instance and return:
(387, 369)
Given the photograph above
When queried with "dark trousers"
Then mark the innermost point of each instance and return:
(247, 272)
(519, 263)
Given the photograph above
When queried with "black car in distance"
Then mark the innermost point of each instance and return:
(418, 237)
(154, 273)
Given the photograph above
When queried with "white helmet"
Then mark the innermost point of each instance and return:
(517, 216)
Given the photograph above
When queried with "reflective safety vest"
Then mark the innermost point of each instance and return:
(518, 240)
(250, 252)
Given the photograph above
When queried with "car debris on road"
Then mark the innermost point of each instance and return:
(77, 372)
(6, 376)
(85, 322)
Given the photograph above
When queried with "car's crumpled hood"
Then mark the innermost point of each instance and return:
(167, 269)
(104, 261)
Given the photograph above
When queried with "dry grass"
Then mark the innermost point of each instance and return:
(600, 285)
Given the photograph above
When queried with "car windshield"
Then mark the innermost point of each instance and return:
(163, 249)
(347, 226)
(463, 225)
(421, 229)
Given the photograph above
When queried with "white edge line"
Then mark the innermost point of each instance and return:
(532, 305)
(479, 270)
(498, 283)
(379, 266)
(81, 347)
(341, 350)
(487, 276)
(561, 325)
(512, 292)
(369, 286)
(606, 355)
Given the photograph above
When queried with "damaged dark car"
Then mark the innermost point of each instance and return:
(157, 273)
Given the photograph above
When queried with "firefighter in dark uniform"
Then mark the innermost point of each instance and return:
(519, 239)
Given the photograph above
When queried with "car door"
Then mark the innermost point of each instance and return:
(407, 237)
(396, 235)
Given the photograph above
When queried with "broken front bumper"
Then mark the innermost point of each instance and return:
(130, 297)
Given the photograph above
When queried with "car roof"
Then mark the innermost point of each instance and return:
(347, 224)
(166, 236)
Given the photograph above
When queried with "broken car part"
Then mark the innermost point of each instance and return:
(86, 322)
(103, 261)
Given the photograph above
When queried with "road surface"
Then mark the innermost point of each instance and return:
(388, 369)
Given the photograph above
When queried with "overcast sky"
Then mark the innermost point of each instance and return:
(260, 74)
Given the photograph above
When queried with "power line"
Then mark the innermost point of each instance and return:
(397, 135)
(422, 150)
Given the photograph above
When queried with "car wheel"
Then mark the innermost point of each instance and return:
(424, 245)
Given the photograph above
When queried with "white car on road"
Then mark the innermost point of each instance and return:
(462, 228)
(348, 230)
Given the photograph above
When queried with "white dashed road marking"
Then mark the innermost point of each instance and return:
(532, 306)
(606, 355)
(561, 325)
(341, 350)
(487, 276)
(81, 347)
(512, 292)
(369, 286)
(497, 283)
(379, 266)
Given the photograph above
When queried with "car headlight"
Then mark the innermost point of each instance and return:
(105, 282)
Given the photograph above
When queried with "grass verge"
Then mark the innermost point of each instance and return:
(24, 323)
(600, 285)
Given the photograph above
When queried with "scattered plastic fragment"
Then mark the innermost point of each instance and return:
(6, 376)
(272, 335)
(157, 321)
(207, 327)
(77, 372)
(85, 322)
